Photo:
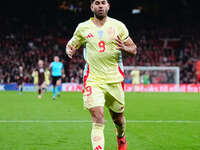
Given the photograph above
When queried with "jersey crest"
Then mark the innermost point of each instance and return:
(100, 34)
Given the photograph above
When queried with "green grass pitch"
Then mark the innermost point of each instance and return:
(155, 121)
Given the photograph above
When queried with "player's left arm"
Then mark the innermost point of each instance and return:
(50, 67)
(128, 45)
(63, 71)
(33, 73)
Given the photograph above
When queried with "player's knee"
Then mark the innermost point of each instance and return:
(98, 117)
(58, 82)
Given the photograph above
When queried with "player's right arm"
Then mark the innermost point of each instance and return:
(70, 50)
(75, 42)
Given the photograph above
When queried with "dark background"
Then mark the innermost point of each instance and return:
(154, 10)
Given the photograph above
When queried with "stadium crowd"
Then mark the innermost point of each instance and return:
(157, 46)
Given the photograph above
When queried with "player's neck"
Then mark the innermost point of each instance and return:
(99, 22)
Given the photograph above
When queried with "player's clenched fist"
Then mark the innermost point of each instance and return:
(70, 51)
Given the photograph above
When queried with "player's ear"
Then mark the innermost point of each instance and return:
(92, 7)
(108, 6)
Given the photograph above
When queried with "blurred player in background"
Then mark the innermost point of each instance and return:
(35, 79)
(145, 80)
(41, 77)
(57, 72)
(135, 73)
(20, 79)
(105, 39)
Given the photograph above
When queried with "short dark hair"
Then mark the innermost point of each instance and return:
(91, 1)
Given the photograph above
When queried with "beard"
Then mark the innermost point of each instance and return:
(100, 16)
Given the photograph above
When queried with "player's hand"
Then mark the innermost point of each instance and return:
(120, 43)
(128, 46)
(70, 51)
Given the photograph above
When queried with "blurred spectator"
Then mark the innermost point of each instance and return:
(23, 44)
